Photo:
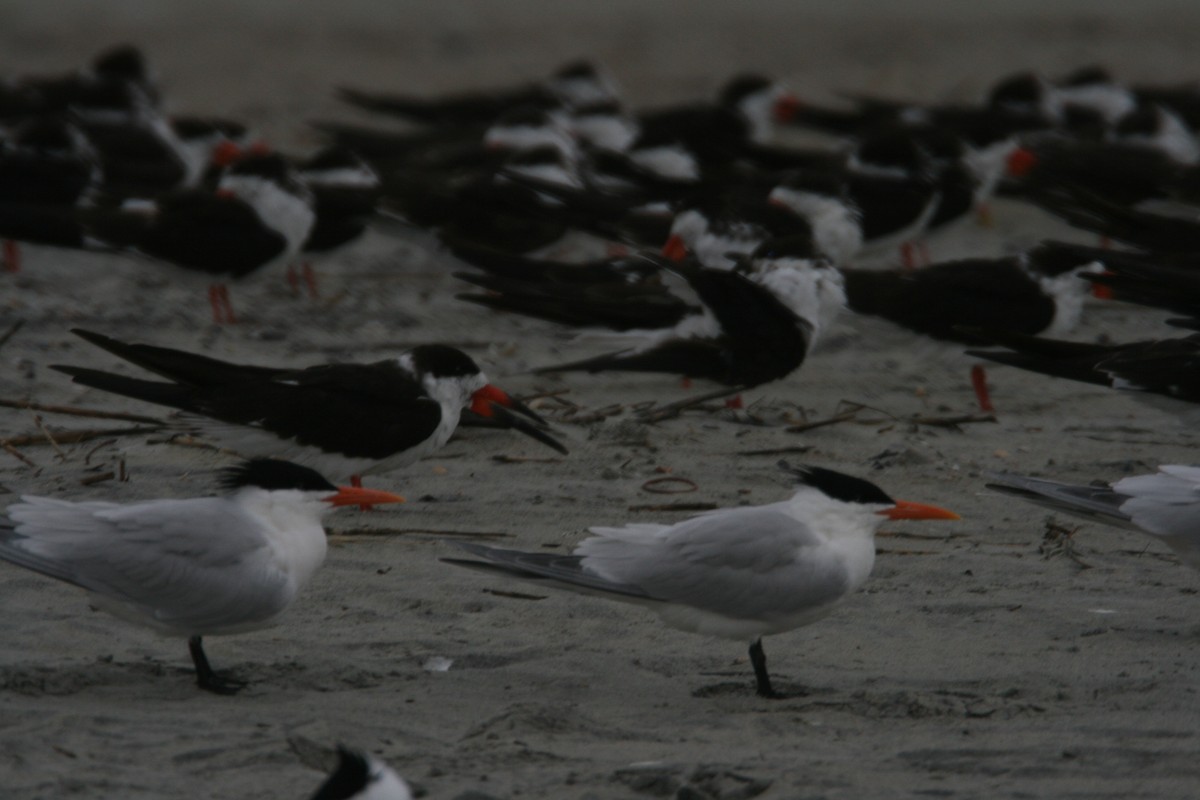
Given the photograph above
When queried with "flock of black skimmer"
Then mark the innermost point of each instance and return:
(690, 234)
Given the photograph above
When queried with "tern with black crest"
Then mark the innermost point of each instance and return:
(189, 567)
(736, 573)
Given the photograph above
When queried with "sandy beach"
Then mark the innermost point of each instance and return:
(987, 658)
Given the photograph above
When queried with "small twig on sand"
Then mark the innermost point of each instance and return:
(12, 330)
(101, 478)
(506, 459)
(8, 448)
(71, 437)
(79, 412)
(659, 413)
(845, 416)
(595, 416)
(776, 451)
(37, 420)
(676, 507)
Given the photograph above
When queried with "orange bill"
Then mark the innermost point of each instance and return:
(906, 510)
(359, 496)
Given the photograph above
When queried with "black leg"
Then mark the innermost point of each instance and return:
(206, 677)
(759, 659)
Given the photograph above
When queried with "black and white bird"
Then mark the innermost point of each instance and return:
(361, 776)
(736, 573)
(1165, 505)
(1161, 372)
(343, 419)
(259, 214)
(190, 567)
(1038, 291)
(751, 329)
(576, 84)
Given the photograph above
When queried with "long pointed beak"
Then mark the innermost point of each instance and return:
(498, 407)
(359, 496)
(511, 420)
(906, 510)
(674, 249)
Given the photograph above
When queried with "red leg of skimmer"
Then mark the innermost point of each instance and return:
(12, 256)
(979, 382)
(226, 303)
(310, 280)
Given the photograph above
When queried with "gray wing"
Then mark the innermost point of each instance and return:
(564, 571)
(753, 563)
(1099, 503)
(192, 563)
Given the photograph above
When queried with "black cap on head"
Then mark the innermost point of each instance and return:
(581, 68)
(350, 778)
(1090, 75)
(443, 361)
(123, 61)
(273, 474)
(838, 486)
(1022, 89)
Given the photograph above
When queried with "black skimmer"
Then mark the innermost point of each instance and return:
(45, 162)
(361, 776)
(1165, 505)
(192, 567)
(1148, 370)
(1155, 127)
(577, 84)
(1165, 230)
(259, 214)
(1036, 292)
(346, 192)
(751, 330)
(343, 419)
(737, 573)
(117, 69)
(1121, 173)
(621, 293)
